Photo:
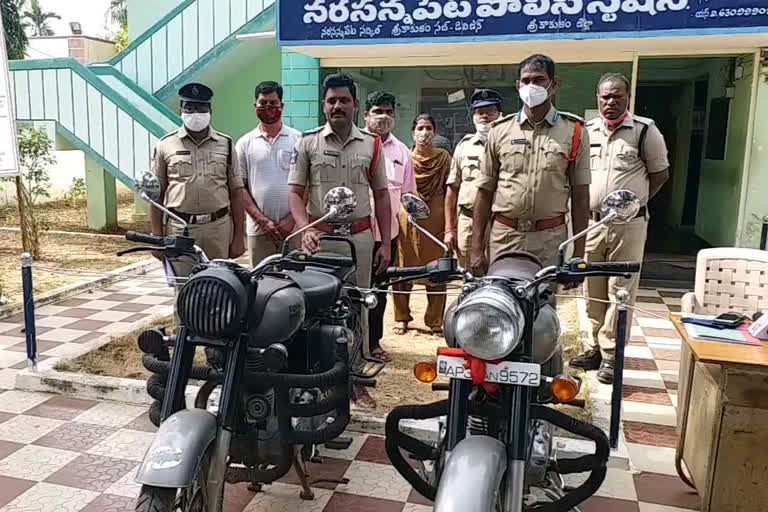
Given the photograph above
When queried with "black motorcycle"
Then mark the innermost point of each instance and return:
(494, 451)
(276, 340)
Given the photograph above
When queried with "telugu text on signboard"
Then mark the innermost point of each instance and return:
(347, 21)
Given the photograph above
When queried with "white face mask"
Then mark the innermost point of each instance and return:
(482, 129)
(533, 95)
(196, 122)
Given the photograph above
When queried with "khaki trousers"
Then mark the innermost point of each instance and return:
(620, 242)
(262, 246)
(364, 252)
(542, 244)
(464, 236)
(214, 238)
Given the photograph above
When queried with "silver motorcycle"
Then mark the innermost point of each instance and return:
(503, 359)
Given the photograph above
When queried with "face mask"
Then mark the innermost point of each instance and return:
(196, 122)
(423, 138)
(482, 129)
(380, 124)
(614, 122)
(533, 95)
(269, 115)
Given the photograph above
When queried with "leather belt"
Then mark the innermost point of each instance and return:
(201, 218)
(597, 216)
(526, 225)
(465, 211)
(355, 227)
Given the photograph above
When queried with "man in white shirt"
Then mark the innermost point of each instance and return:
(380, 119)
(265, 159)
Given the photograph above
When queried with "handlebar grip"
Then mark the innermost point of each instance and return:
(334, 260)
(143, 238)
(615, 266)
(405, 271)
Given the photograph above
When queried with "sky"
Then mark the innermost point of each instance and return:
(90, 14)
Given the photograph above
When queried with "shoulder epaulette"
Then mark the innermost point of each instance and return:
(643, 120)
(366, 132)
(504, 119)
(572, 117)
(592, 121)
(313, 130)
(174, 132)
(224, 135)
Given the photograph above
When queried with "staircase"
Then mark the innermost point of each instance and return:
(114, 111)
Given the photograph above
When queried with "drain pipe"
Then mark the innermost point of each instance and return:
(29, 310)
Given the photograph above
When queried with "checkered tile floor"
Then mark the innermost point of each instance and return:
(64, 454)
(63, 327)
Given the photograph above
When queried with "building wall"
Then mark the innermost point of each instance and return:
(85, 49)
(756, 206)
(142, 14)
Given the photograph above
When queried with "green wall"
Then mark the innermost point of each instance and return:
(142, 14)
(757, 185)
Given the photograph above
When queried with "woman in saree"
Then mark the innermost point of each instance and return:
(431, 167)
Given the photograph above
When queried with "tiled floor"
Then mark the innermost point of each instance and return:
(64, 454)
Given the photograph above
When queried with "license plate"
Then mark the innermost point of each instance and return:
(505, 372)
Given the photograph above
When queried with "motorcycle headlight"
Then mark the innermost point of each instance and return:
(489, 323)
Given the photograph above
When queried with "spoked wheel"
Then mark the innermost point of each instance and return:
(359, 364)
(194, 498)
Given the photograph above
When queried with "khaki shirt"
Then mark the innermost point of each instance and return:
(617, 162)
(322, 161)
(527, 166)
(196, 178)
(465, 168)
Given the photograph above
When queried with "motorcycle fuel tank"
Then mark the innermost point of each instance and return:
(277, 311)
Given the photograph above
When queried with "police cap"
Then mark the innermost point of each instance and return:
(195, 92)
(485, 98)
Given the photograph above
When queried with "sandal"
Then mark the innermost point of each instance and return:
(437, 331)
(361, 397)
(400, 328)
(381, 355)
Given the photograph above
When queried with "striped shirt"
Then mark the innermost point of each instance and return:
(265, 167)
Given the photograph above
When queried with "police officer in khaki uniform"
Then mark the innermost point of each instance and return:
(340, 154)
(626, 152)
(535, 161)
(462, 188)
(200, 182)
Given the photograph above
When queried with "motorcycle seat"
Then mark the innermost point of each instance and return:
(516, 265)
(321, 289)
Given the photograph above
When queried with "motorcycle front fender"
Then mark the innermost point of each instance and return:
(176, 450)
(471, 477)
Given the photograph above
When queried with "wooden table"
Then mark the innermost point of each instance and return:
(723, 422)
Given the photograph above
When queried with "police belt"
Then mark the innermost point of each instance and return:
(467, 212)
(201, 218)
(526, 225)
(355, 227)
(597, 216)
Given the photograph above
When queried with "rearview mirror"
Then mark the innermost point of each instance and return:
(148, 184)
(415, 206)
(621, 206)
(344, 201)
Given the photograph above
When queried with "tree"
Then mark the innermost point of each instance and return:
(38, 19)
(15, 38)
(118, 12)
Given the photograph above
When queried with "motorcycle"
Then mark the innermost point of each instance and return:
(276, 340)
(494, 451)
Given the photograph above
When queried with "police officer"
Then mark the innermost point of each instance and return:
(340, 154)
(535, 161)
(200, 182)
(627, 152)
(462, 188)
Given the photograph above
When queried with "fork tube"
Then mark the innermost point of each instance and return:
(183, 354)
(458, 395)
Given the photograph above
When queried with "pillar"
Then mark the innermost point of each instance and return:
(300, 77)
(141, 209)
(101, 196)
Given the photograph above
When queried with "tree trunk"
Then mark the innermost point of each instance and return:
(29, 235)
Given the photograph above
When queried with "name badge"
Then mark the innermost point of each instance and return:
(331, 152)
(183, 152)
(520, 141)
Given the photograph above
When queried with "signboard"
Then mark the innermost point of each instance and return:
(312, 22)
(9, 159)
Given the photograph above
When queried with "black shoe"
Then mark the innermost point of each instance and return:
(605, 374)
(589, 360)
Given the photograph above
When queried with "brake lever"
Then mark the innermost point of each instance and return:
(143, 248)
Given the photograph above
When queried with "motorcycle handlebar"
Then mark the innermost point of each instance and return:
(615, 266)
(333, 260)
(399, 272)
(143, 238)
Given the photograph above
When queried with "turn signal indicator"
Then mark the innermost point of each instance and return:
(564, 388)
(425, 371)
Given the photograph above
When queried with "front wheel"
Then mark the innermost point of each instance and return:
(194, 498)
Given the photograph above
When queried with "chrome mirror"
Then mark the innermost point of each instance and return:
(415, 206)
(340, 203)
(621, 206)
(148, 185)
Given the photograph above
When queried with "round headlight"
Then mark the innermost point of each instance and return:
(213, 303)
(489, 323)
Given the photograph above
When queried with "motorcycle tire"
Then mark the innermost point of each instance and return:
(164, 499)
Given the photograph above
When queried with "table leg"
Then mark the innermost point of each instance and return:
(687, 363)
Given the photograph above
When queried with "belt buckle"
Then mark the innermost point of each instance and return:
(203, 219)
(340, 229)
(525, 225)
